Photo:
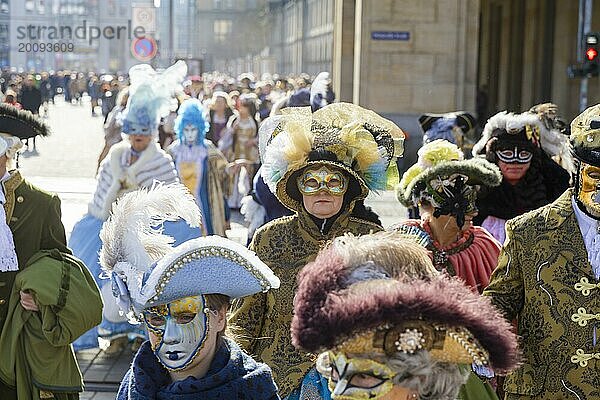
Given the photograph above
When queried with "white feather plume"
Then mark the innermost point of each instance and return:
(133, 235)
(275, 163)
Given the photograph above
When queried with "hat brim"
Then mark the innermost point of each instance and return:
(207, 265)
(479, 171)
(20, 123)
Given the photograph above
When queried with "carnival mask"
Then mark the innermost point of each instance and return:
(452, 196)
(588, 193)
(514, 155)
(190, 133)
(358, 378)
(323, 179)
(182, 327)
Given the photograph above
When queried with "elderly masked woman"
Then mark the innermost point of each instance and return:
(182, 295)
(444, 187)
(318, 165)
(134, 163)
(388, 328)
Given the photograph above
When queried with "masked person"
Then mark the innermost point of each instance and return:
(522, 146)
(388, 327)
(320, 166)
(444, 187)
(182, 296)
(200, 165)
(137, 162)
(547, 280)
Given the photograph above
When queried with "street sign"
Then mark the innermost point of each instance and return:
(144, 17)
(144, 49)
(390, 35)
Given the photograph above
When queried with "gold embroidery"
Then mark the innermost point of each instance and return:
(10, 186)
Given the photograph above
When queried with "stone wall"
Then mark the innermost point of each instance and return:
(435, 70)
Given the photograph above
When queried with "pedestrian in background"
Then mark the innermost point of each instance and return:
(31, 100)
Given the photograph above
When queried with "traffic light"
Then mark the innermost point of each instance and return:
(591, 59)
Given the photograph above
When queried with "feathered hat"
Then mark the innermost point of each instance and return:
(20, 123)
(346, 136)
(191, 112)
(437, 161)
(360, 305)
(146, 270)
(585, 136)
(526, 128)
(151, 96)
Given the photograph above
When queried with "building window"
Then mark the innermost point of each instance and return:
(222, 30)
(4, 9)
(223, 4)
(29, 5)
(41, 6)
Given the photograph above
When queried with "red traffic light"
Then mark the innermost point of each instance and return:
(591, 54)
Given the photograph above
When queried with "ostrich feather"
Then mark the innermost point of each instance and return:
(133, 233)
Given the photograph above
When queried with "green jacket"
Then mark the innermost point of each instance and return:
(545, 281)
(34, 219)
(36, 346)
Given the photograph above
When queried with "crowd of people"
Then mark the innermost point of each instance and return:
(486, 289)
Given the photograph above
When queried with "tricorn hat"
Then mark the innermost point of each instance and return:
(20, 123)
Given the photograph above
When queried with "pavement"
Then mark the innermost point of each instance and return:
(65, 163)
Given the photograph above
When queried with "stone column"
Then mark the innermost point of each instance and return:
(343, 49)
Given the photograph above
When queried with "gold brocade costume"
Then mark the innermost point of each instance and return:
(262, 322)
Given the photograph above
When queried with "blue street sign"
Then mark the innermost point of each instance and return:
(390, 35)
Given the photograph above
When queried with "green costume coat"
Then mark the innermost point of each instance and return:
(545, 281)
(34, 217)
(36, 346)
(262, 322)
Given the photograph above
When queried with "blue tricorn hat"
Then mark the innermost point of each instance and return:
(207, 265)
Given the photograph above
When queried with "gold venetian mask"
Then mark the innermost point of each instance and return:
(313, 181)
(358, 378)
(589, 188)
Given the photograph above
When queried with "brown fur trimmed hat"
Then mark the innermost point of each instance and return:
(346, 303)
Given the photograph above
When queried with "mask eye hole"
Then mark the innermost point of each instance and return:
(524, 154)
(365, 380)
(311, 183)
(184, 318)
(156, 320)
(507, 153)
(594, 174)
(334, 182)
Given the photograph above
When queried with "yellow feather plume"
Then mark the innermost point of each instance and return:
(361, 146)
(301, 140)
